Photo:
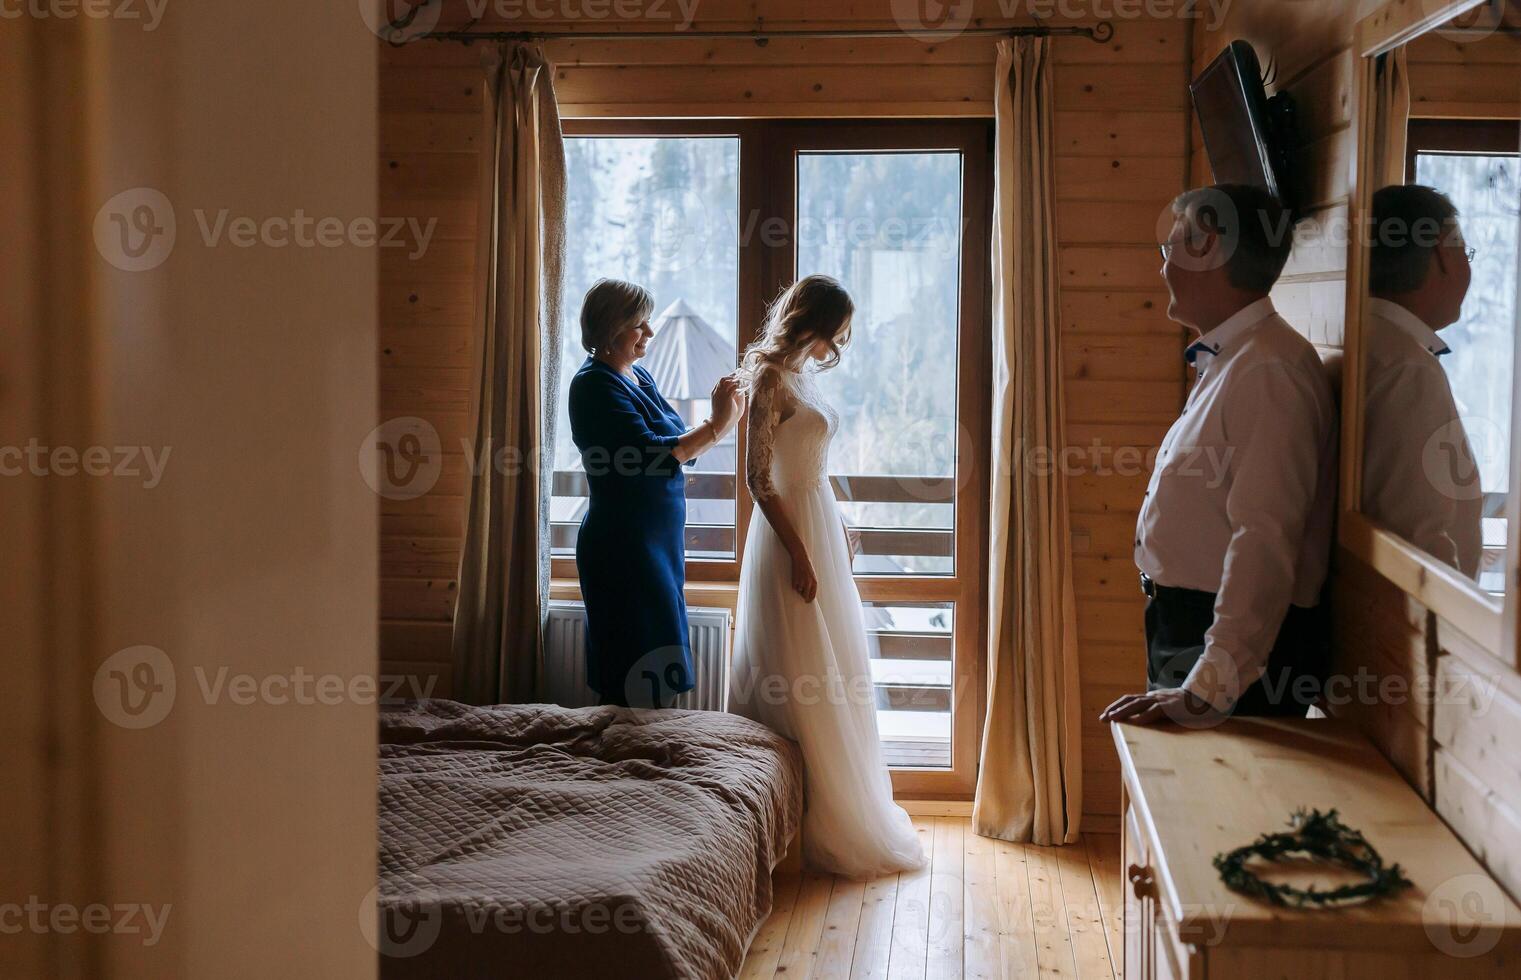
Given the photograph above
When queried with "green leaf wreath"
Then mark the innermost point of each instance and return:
(1324, 838)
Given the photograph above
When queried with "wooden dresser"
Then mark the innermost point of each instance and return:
(1189, 795)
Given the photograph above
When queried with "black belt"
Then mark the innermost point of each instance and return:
(1152, 590)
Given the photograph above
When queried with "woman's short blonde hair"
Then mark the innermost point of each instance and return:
(610, 307)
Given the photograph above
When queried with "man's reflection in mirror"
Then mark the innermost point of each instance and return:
(1420, 478)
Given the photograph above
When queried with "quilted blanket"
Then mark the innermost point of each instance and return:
(538, 841)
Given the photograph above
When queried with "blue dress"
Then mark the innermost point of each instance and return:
(630, 553)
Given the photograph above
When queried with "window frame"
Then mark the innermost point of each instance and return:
(1460, 137)
(767, 190)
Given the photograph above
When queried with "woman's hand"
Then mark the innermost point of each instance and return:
(804, 582)
(728, 404)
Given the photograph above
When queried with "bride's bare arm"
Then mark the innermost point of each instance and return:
(766, 407)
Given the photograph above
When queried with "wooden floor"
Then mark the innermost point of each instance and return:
(983, 908)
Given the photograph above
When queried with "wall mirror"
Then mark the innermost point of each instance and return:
(1429, 448)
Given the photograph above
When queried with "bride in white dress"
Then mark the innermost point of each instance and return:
(801, 662)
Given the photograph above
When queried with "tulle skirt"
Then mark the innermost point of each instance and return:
(803, 670)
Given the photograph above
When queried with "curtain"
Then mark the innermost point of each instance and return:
(504, 561)
(1391, 118)
(1029, 783)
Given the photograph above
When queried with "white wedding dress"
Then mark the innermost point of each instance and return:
(803, 669)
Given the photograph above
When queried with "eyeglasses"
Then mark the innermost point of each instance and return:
(1191, 241)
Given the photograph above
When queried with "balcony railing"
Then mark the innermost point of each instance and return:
(718, 539)
(912, 669)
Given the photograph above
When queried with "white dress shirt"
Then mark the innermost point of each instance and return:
(1242, 495)
(1420, 479)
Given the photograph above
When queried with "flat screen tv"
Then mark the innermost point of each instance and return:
(1247, 135)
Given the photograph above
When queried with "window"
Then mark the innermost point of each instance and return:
(1476, 164)
(716, 218)
(894, 456)
(658, 211)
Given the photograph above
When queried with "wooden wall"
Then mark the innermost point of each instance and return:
(1456, 744)
(1455, 79)
(1122, 136)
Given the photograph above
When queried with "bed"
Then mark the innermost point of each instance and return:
(540, 841)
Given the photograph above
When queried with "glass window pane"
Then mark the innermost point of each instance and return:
(1486, 191)
(888, 226)
(913, 667)
(661, 212)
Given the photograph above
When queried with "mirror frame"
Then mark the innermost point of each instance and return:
(1488, 620)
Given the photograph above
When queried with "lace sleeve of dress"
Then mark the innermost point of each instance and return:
(760, 435)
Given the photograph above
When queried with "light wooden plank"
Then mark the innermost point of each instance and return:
(766, 948)
(980, 947)
(1090, 401)
(1104, 862)
(653, 88)
(1016, 913)
(1123, 357)
(1113, 310)
(1152, 181)
(1112, 623)
(874, 933)
(800, 950)
(1085, 921)
(841, 923)
(1053, 945)
(910, 941)
(1496, 87)
(1117, 133)
(1110, 266)
(1485, 821)
(947, 931)
(1143, 88)
(1122, 219)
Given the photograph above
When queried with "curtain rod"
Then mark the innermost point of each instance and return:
(1100, 33)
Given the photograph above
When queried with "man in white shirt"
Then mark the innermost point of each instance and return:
(1420, 478)
(1234, 534)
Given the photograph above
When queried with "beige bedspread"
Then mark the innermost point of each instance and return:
(539, 841)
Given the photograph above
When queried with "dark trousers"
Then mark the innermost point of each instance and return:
(1176, 621)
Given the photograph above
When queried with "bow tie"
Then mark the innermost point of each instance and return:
(1194, 351)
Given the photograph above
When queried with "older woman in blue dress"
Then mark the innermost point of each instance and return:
(631, 550)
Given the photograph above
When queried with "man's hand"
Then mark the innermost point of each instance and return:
(1164, 704)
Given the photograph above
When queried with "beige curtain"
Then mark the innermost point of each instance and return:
(504, 563)
(1391, 108)
(1029, 784)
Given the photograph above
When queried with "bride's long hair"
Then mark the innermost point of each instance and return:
(810, 310)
